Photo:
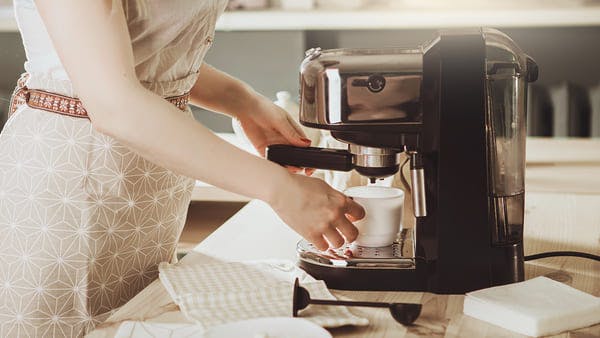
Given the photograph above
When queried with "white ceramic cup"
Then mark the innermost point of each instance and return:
(383, 219)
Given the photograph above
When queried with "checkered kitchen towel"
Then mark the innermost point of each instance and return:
(210, 293)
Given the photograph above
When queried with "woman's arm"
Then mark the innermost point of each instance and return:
(91, 38)
(220, 92)
(264, 122)
(92, 41)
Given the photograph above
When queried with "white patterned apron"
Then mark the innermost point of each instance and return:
(84, 221)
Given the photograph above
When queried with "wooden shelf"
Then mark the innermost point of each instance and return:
(7, 19)
(407, 19)
(570, 151)
(278, 20)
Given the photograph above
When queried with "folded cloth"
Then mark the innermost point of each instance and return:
(129, 329)
(210, 293)
(536, 307)
(272, 327)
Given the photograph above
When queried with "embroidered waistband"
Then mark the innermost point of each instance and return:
(64, 105)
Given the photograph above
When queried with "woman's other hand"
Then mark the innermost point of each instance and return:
(265, 123)
(317, 212)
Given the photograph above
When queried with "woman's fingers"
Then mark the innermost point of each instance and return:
(294, 124)
(354, 210)
(334, 238)
(319, 242)
(292, 132)
(309, 171)
(342, 230)
(347, 229)
(318, 212)
(293, 169)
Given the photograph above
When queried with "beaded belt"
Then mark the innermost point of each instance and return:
(64, 105)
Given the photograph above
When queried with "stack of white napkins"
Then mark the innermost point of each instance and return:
(539, 306)
(210, 293)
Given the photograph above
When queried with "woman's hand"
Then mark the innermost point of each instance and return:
(265, 123)
(317, 212)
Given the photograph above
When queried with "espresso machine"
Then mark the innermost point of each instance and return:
(456, 106)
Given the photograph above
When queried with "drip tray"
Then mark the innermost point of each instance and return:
(399, 255)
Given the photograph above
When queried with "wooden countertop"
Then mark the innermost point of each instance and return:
(565, 220)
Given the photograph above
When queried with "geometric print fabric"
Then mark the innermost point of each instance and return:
(84, 223)
(210, 292)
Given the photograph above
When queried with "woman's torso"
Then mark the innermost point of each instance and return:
(85, 220)
(169, 39)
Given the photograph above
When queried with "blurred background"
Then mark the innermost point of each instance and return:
(263, 42)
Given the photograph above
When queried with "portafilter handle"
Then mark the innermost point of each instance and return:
(310, 157)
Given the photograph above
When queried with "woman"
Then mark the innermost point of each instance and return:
(98, 160)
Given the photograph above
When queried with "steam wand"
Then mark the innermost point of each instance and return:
(417, 183)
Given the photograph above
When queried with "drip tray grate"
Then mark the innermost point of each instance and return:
(399, 255)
